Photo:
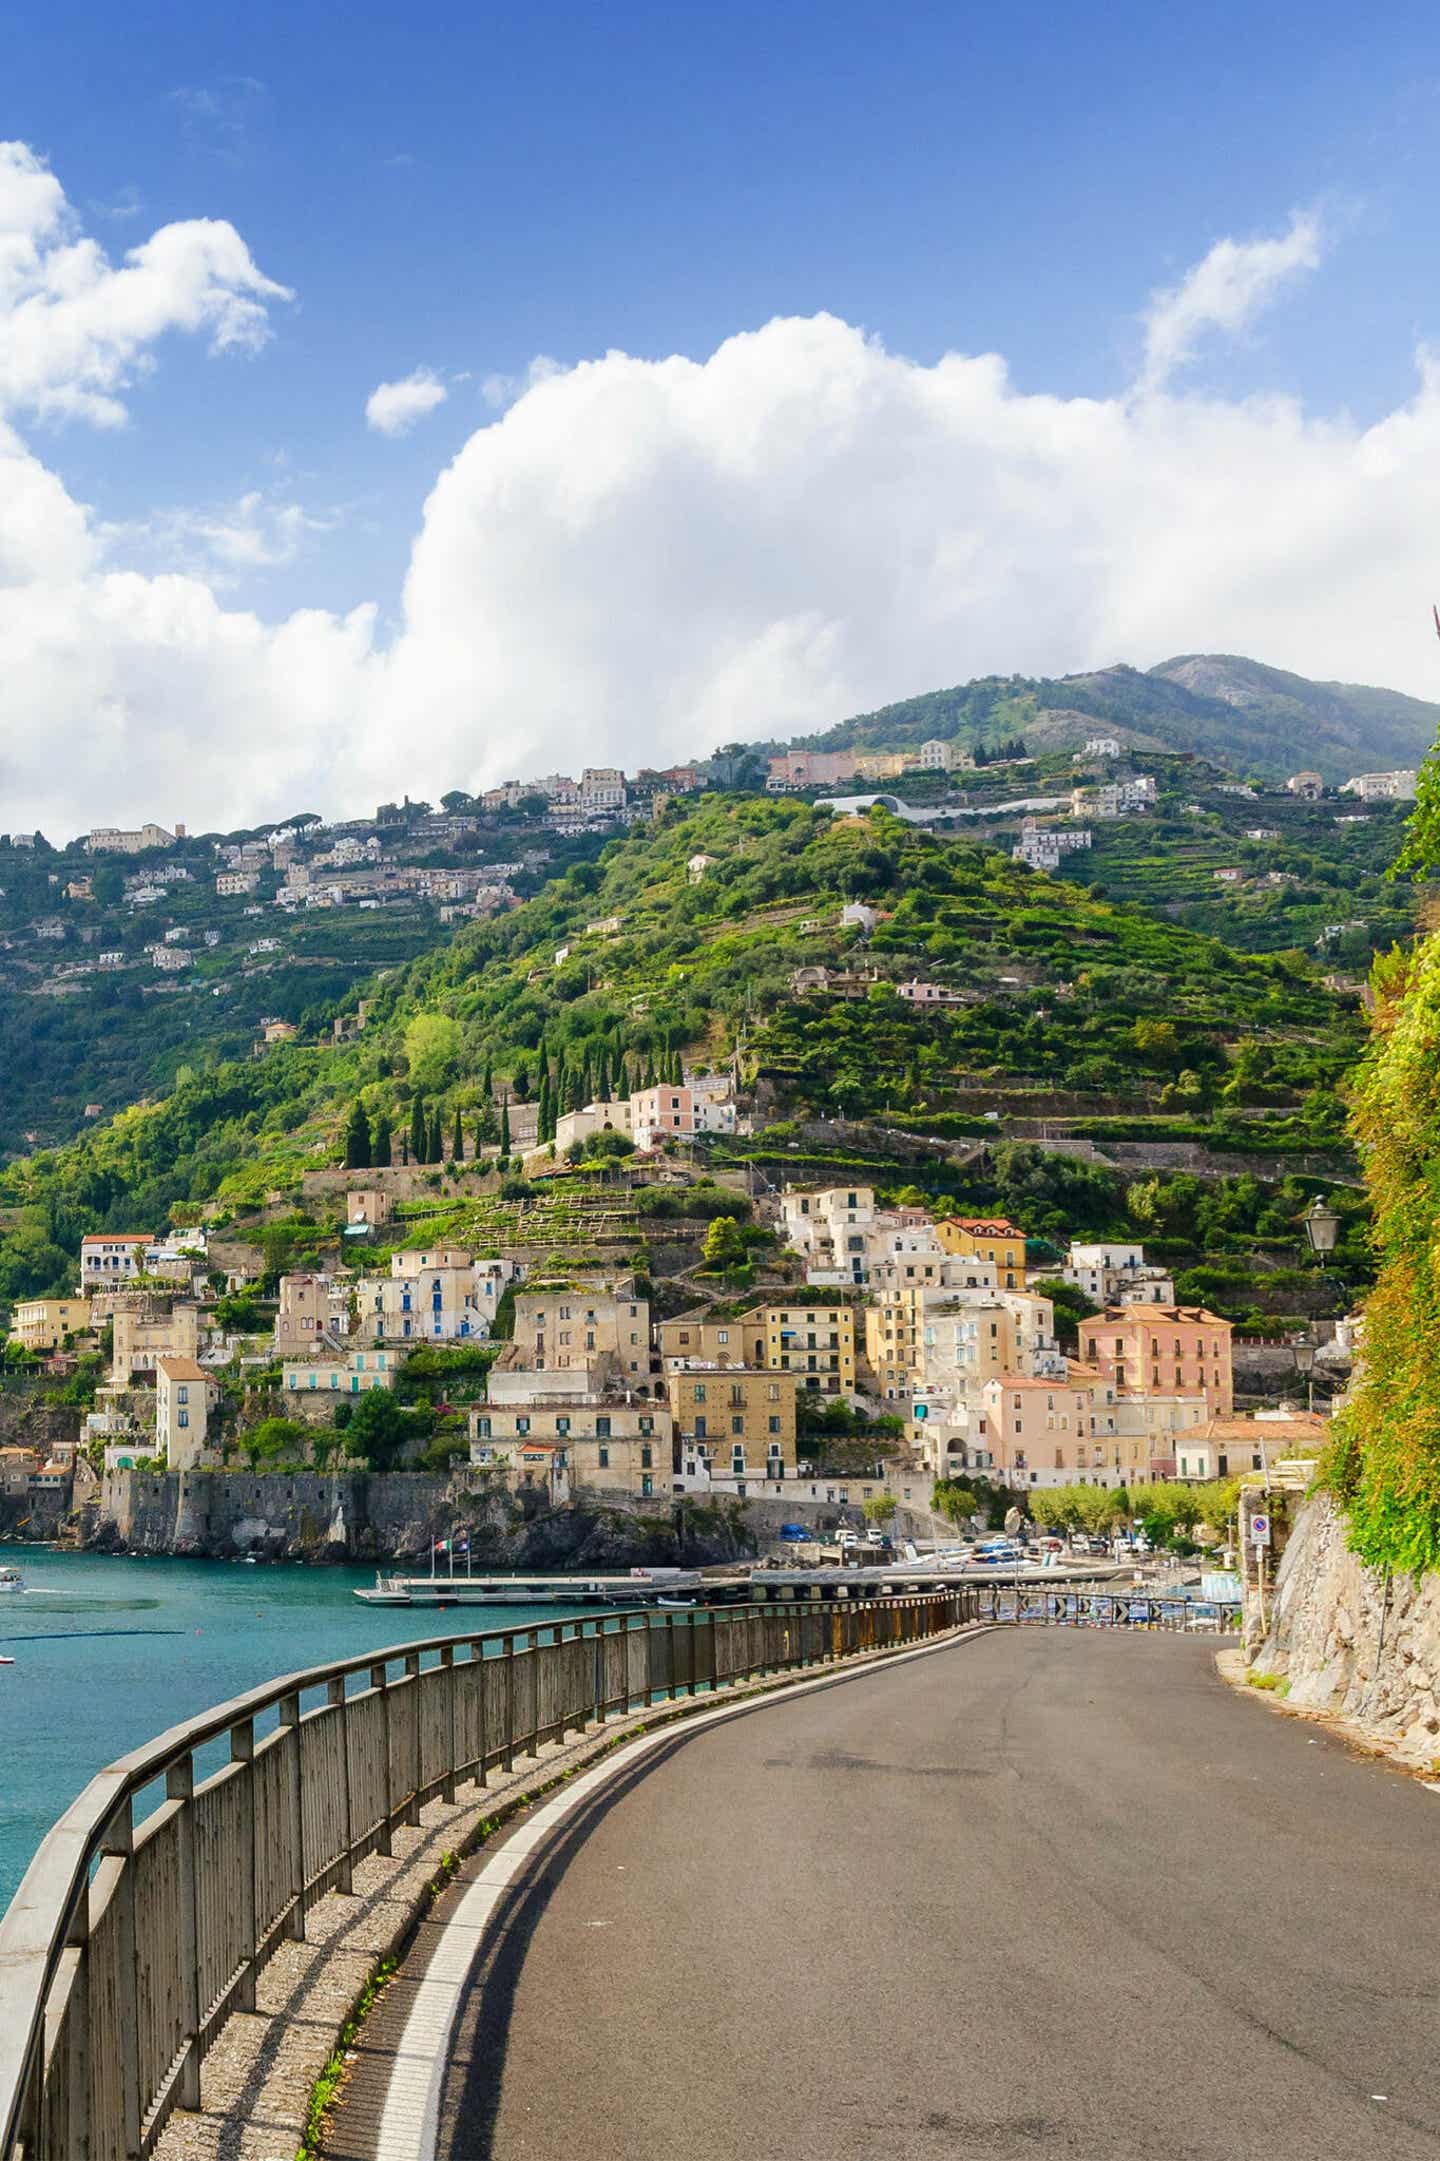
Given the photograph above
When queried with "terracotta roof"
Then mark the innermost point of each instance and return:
(986, 1226)
(181, 1369)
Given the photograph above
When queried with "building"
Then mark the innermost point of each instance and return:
(716, 1343)
(696, 867)
(312, 1306)
(814, 1342)
(680, 1112)
(148, 1328)
(987, 1238)
(231, 883)
(1396, 787)
(1164, 1349)
(830, 1226)
(856, 916)
(1310, 786)
(108, 1257)
(557, 1330)
(614, 1116)
(115, 840)
(938, 757)
(342, 1373)
(1117, 1275)
(439, 1296)
(929, 994)
(184, 1393)
(42, 1324)
(810, 769)
(732, 1424)
(1102, 746)
(607, 1438)
(602, 789)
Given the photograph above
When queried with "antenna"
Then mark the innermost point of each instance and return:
(1436, 613)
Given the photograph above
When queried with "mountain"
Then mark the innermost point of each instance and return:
(1235, 712)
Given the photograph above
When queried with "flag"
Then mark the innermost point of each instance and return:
(442, 1545)
(462, 1545)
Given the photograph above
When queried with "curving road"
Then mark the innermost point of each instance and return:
(1041, 1894)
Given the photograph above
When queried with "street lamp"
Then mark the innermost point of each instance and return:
(1304, 1353)
(1322, 1226)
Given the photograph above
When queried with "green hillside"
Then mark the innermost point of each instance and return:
(1065, 998)
(1236, 712)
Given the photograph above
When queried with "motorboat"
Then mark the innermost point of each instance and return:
(11, 1579)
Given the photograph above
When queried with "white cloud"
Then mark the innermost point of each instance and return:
(1225, 291)
(642, 558)
(257, 531)
(394, 408)
(74, 330)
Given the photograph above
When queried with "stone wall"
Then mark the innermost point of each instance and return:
(365, 1517)
(1355, 1641)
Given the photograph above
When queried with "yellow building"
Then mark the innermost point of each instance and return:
(555, 1330)
(732, 1423)
(717, 1343)
(608, 1443)
(992, 1238)
(814, 1342)
(42, 1324)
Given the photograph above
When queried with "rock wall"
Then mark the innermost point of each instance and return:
(359, 1516)
(1354, 1640)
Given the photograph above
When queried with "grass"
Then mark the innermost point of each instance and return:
(1274, 1684)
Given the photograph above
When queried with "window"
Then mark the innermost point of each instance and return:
(562, 1425)
(522, 1426)
(700, 1429)
(774, 1425)
(482, 1429)
(602, 1428)
(184, 1418)
(647, 1487)
(604, 1459)
(647, 1458)
(737, 1425)
(699, 1391)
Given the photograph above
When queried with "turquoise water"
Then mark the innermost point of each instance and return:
(109, 1651)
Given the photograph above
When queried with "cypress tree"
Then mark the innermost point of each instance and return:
(357, 1139)
(544, 1131)
(419, 1130)
(436, 1152)
(458, 1149)
(505, 1126)
(380, 1141)
(602, 1077)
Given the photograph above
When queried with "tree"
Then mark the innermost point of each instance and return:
(435, 1148)
(505, 1127)
(357, 1139)
(380, 1141)
(109, 885)
(419, 1130)
(457, 1149)
(433, 1044)
(724, 1245)
(378, 1430)
(880, 1509)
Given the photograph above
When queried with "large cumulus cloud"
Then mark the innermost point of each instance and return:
(639, 559)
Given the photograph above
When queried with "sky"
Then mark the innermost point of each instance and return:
(416, 401)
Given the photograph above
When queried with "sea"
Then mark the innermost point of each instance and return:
(109, 1650)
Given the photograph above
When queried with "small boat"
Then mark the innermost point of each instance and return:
(7, 1661)
(11, 1579)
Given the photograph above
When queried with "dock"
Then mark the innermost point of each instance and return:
(688, 1587)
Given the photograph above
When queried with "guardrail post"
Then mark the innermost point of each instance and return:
(412, 1674)
(380, 1683)
(335, 1697)
(77, 2068)
(180, 1786)
(290, 1724)
(482, 1712)
(118, 1843)
(508, 1757)
(242, 1750)
(447, 1667)
(598, 1665)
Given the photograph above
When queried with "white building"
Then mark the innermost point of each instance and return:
(116, 1257)
(671, 1112)
(1117, 1275)
(1396, 787)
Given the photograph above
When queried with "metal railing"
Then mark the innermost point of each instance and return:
(1072, 1608)
(130, 1942)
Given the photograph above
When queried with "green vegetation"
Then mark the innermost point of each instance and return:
(1170, 1515)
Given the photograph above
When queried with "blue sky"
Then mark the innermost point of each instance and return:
(466, 189)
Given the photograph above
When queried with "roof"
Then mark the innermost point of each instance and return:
(987, 1226)
(116, 1238)
(181, 1369)
(1115, 1316)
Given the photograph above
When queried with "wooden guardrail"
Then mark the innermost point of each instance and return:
(129, 1942)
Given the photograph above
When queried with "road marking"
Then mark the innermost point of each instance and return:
(410, 2120)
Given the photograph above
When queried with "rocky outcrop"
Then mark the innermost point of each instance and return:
(1355, 1641)
(400, 1516)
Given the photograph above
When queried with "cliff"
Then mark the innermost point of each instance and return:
(1361, 1643)
(355, 1516)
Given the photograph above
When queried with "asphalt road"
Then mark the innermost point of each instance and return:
(1041, 1894)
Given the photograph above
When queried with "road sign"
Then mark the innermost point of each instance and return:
(1259, 1530)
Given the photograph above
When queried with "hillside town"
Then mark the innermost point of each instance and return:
(936, 1335)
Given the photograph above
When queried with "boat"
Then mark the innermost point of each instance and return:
(11, 1579)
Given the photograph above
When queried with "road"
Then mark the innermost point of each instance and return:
(1040, 1894)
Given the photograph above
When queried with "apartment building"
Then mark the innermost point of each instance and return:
(42, 1324)
(343, 1373)
(184, 1395)
(439, 1295)
(987, 1238)
(1050, 1432)
(615, 1116)
(1117, 1275)
(607, 1440)
(814, 1342)
(1164, 1350)
(312, 1305)
(562, 1328)
(731, 1424)
(108, 1257)
(679, 1112)
(830, 1226)
(719, 1343)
